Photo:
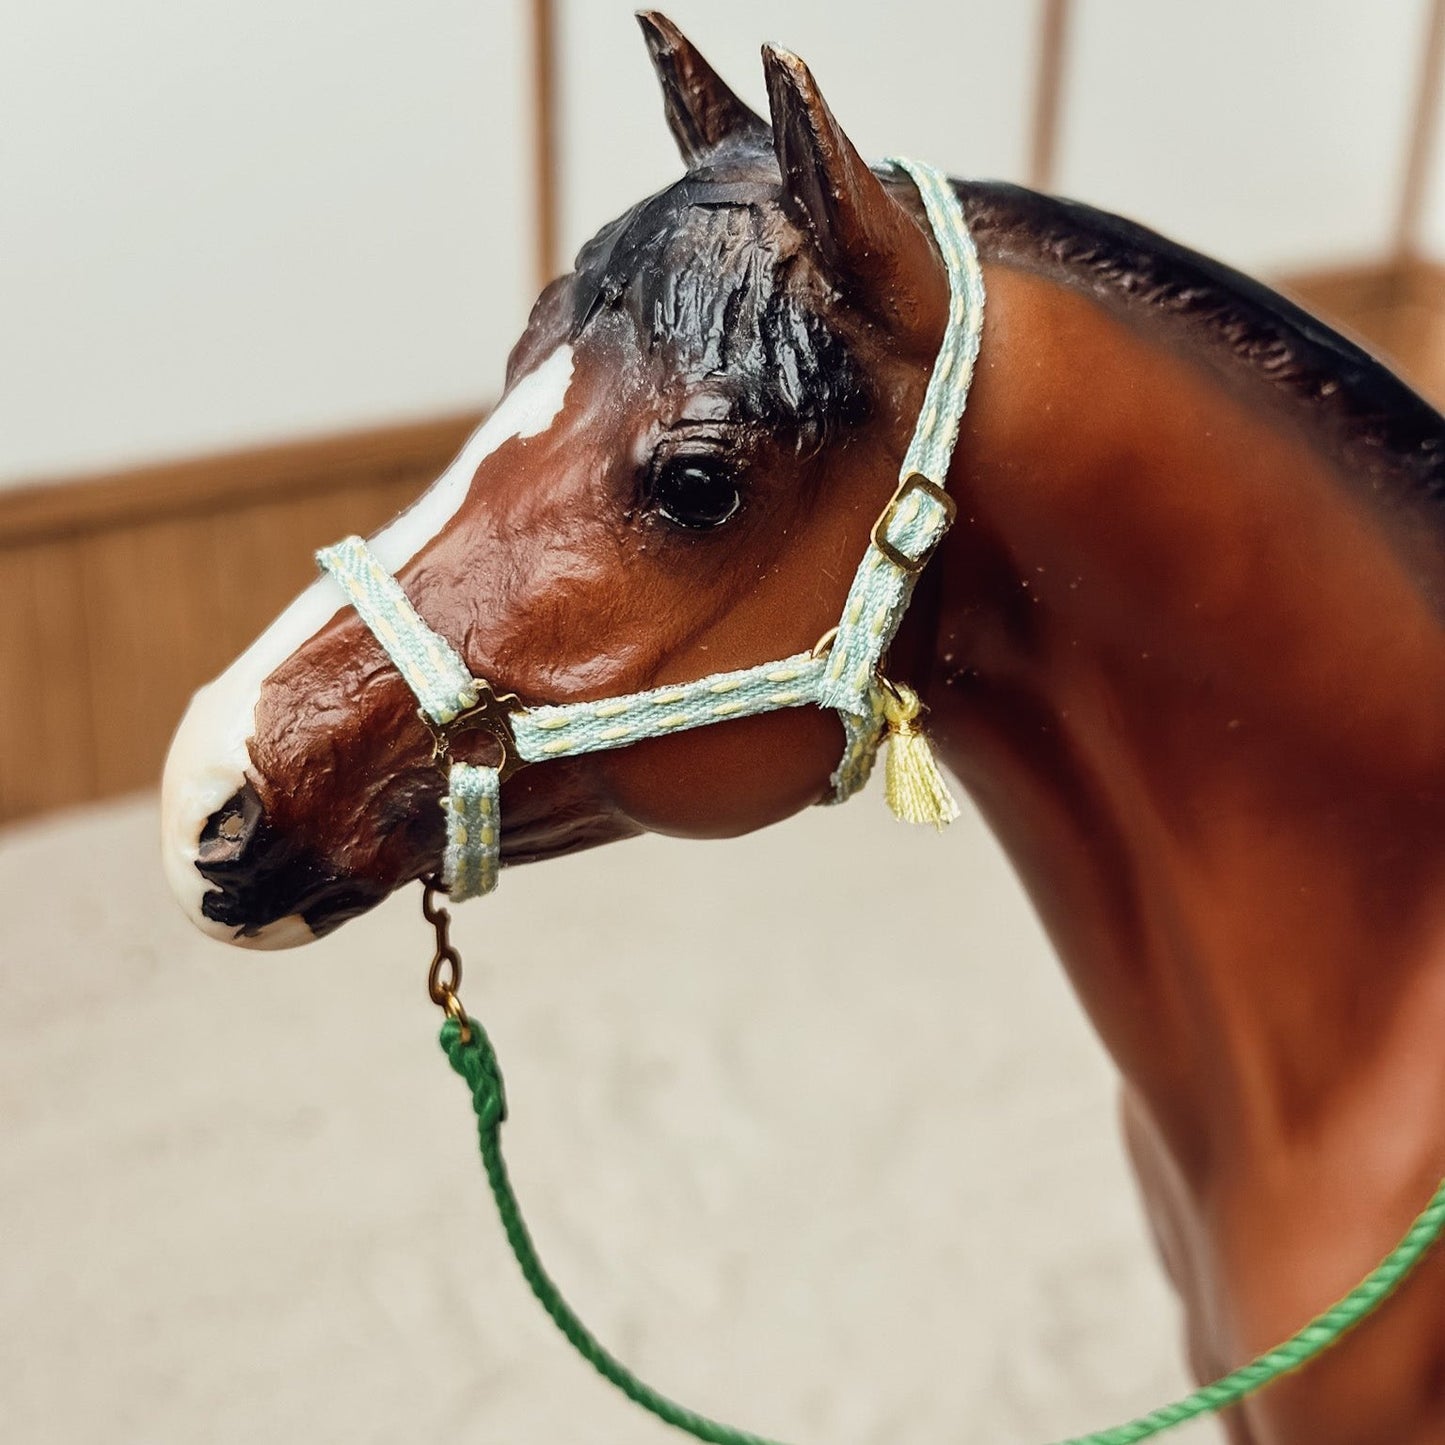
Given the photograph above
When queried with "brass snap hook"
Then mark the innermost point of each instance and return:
(444, 976)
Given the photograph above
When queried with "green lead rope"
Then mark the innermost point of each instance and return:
(476, 1062)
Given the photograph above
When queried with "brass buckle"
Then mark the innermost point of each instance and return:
(490, 714)
(914, 481)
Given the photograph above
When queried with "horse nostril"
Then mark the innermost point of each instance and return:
(260, 876)
(229, 831)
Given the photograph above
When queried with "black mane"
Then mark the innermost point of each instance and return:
(1396, 437)
(710, 275)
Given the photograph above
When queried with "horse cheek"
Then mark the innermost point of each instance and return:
(728, 779)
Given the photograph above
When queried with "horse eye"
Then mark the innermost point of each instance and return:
(695, 492)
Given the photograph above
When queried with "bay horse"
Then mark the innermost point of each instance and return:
(1185, 647)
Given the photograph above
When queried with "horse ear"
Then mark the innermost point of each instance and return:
(870, 245)
(702, 112)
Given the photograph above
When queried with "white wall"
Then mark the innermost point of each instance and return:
(1267, 132)
(945, 80)
(1270, 133)
(224, 223)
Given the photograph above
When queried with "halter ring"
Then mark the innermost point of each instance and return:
(490, 714)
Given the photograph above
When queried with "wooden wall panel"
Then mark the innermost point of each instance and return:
(45, 686)
(143, 650)
(120, 596)
(60, 699)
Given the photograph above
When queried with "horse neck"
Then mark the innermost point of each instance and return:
(1186, 674)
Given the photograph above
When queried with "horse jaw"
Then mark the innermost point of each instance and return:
(210, 754)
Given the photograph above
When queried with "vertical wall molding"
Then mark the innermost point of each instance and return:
(1048, 93)
(546, 174)
(1420, 145)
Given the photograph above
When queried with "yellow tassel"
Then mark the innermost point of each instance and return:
(915, 789)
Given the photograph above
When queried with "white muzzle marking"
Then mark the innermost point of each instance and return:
(210, 754)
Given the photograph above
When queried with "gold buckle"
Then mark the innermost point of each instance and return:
(491, 714)
(914, 481)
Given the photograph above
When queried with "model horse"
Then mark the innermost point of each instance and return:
(1185, 646)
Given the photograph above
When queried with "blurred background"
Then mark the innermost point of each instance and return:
(262, 267)
(264, 263)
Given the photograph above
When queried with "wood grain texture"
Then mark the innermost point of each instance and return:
(124, 593)
(47, 747)
(169, 489)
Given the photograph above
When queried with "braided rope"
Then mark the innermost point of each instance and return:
(1326, 1329)
(476, 1062)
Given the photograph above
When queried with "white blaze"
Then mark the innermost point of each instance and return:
(209, 755)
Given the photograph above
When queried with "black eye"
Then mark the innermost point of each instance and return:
(696, 492)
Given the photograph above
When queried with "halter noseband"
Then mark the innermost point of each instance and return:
(842, 672)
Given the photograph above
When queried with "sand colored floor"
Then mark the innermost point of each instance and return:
(831, 1188)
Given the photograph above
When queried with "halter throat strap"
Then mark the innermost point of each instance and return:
(844, 675)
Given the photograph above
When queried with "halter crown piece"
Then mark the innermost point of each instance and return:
(845, 676)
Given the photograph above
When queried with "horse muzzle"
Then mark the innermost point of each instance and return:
(265, 890)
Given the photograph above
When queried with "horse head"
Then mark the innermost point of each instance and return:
(699, 426)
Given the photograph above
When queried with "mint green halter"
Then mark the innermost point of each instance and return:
(843, 674)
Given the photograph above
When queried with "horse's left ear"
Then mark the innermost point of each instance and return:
(702, 112)
(869, 244)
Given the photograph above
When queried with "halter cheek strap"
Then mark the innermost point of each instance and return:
(844, 676)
